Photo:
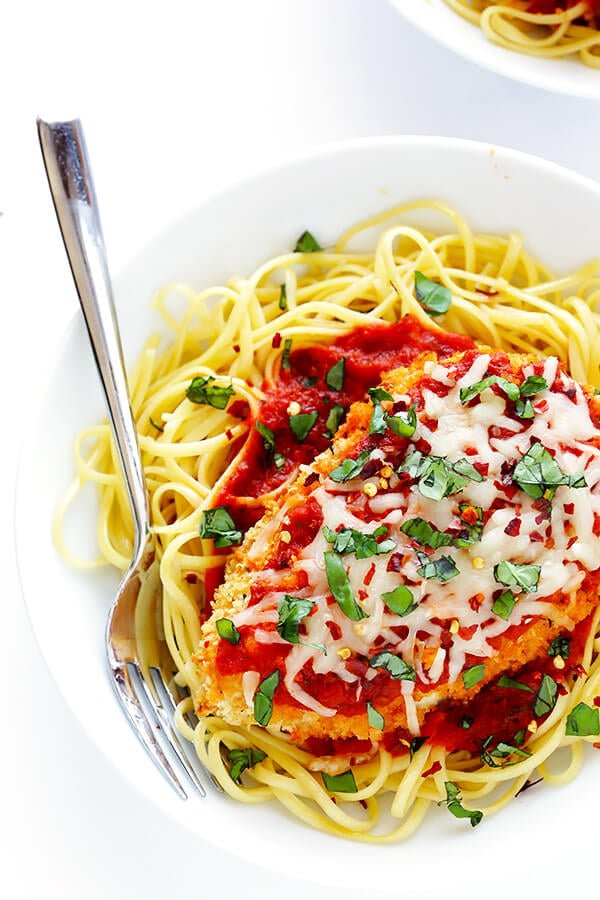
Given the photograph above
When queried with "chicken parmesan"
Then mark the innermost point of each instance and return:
(447, 544)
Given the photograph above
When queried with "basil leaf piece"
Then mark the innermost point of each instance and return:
(340, 784)
(393, 664)
(506, 681)
(204, 391)
(433, 297)
(509, 388)
(302, 424)
(286, 362)
(227, 630)
(533, 384)
(334, 378)
(217, 524)
(504, 605)
(438, 478)
(306, 243)
(291, 612)
(500, 751)
(350, 468)
(560, 646)
(473, 676)
(378, 423)
(155, 425)
(375, 718)
(466, 722)
(377, 394)
(583, 721)
(422, 533)
(403, 426)
(339, 585)
(545, 699)
(539, 475)
(279, 460)
(453, 802)
(400, 601)
(520, 736)
(267, 435)
(442, 569)
(348, 540)
(524, 409)
(524, 576)
(283, 297)
(334, 419)
(263, 698)
(243, 758)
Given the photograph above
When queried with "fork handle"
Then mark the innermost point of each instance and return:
(70, 180)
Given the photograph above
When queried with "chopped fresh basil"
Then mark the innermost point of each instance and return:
(217, 524)
(433, 297)
(267, 436)
(154, 425)
(291, 612)
(243, 758)
(506, 681)
(422, 533)
(453, 802)
(334, 419)
(520, 736)
(500, 751)
(524, 409)
(466, 722)
(524, 576)
(286, 362)
(203, 390)
(545, 699)
(279, 460)
(539, 475)
(340, 784)
(403, 424)
(378, 423)
(583, 720)
(400, 601)
(377, 394)
(473, 676)
(533, 384)
(350, 468)
(504, 605)
(334, 378)
(348, 540)
(282, 297)
(306, 243)
(393, 664)
(263, 698)
(375, 718)
(509, 388)
(227, 630)
(437, 478)
(302, 424)
(442, 569)
(339, 585)
(309, 381)
(560, 646)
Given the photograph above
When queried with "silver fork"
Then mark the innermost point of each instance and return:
(140, 671)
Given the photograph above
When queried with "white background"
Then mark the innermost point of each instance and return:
(178, 99)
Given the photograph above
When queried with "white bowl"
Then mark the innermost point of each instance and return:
(497, 190)
(565, 76)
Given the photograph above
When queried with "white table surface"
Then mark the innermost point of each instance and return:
(179, 99)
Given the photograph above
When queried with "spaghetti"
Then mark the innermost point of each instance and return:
(549, 29)
(230, 344)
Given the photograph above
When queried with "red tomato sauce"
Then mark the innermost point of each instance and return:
(548, 7)
(368, 352)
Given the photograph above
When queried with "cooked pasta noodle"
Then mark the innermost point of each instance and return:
(544, 28)
(502, 297)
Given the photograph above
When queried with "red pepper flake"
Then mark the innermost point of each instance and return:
(569, 508)
(369, 576)
(541, 407)
(596, 745)
(362, 595)
(596, 701)
(470, 515)
(476, 601)
(276, 342)
(335, 630)
(229, 434)
(436, 767)
(394, 563)
(236, 348)
(513, 528)
(536, 537)
(191, 578)
(310, 479)
(527, 785)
